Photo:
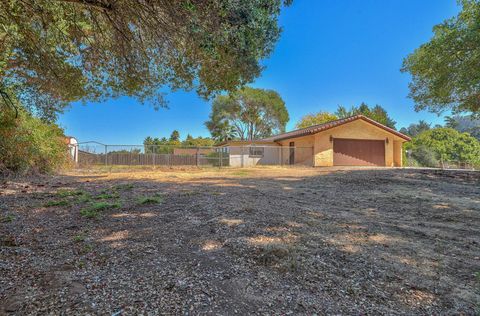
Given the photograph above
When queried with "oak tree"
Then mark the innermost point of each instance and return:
(250, 113)
(377, 113)
(444, 71)
(53, 52)
(315, 119)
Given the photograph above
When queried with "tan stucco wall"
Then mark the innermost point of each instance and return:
(359, 129)
(317, 149)
(303, 149)
(397, 153)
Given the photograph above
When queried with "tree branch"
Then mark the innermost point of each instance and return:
(91, 3)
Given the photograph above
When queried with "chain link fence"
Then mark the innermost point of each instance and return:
(97, 154)
(90, 154)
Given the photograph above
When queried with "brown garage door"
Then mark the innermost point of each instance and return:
(358, 152)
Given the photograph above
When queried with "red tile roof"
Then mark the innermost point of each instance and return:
(325, 126)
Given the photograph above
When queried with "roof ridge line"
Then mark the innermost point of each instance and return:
(325, 126)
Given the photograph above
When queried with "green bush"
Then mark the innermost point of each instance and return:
(431, 147)
(28, 144)
(425, 157)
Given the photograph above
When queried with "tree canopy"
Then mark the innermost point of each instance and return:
(444, 70)
(376, 113)
(416, 128)
(249, 113)
(198, 141)
(447, 144)
(56, 52)
(27, 144)
(175, 136)
(464, 124)
(315, 119)
(164, 145)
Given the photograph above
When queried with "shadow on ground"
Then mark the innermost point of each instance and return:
(346, 242)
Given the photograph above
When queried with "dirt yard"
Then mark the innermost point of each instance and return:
(250, 241)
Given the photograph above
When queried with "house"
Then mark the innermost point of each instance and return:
(352, 141)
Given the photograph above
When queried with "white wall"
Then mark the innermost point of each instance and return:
(73, 149)
(272, 155)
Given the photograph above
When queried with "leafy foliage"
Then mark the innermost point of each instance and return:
(125, 151)
(158, 146)
(250, 113)
(425, 157)
(165, 146)
(416, 128)
(221, 130)
(376, 113)
(198, 141)
(447, 144)
(444, 70)
(29, 145)
(175, 136)
(315, 119)
(464, 124)
(56, 52)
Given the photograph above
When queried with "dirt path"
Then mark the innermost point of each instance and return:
(265, 241)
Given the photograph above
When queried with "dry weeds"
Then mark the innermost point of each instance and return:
(259, 241)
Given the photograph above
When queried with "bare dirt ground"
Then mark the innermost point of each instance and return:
(251, 241)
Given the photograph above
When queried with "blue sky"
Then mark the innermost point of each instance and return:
(331, 52)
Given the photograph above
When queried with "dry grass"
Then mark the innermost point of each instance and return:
(254, 241)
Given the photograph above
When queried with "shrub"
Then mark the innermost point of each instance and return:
(425, 157)
(444, 144)
(28, 144)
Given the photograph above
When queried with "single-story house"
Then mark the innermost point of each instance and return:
(352, 141)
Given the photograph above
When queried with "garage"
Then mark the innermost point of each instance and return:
(351, 141)
(358, 152)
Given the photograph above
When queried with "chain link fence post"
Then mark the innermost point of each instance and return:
(106, 153)
(197, 156)
(221, 157)
(242, 155)
(153, 157)
(219, 161)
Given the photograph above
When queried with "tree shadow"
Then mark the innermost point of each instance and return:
(371, 241)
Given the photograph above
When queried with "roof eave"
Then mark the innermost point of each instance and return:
(327, 126)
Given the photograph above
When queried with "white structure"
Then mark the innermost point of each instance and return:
(254, 155)
(72, 144)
